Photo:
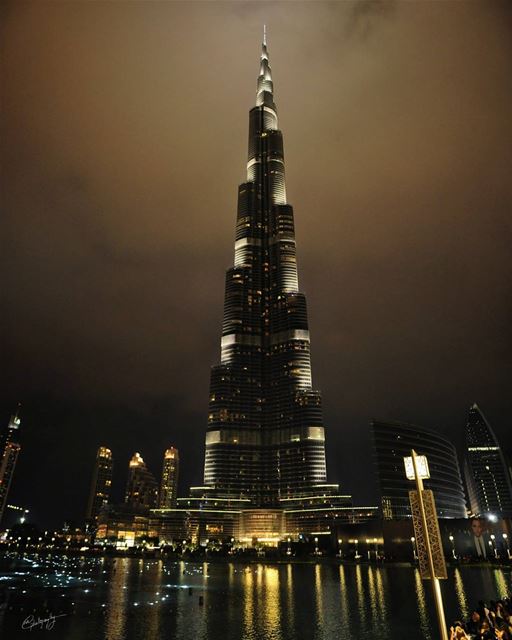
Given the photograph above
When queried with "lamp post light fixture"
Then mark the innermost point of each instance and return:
(357, 556)
(369, 551)
(376, 543)
(316, 546)
(413, 542)
(507, 545)
(492, 543)
(453, 547)
(288, 549)
(340, 542)
(416, 468)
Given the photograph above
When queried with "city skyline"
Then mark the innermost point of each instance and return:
(406, 294)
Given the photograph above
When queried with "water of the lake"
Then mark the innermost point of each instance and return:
(131, 599)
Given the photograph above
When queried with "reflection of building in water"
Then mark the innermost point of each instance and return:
(116, 613)
(153, 585)
(393, 441)
(486, 471)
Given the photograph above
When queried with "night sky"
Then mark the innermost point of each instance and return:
(124, 137)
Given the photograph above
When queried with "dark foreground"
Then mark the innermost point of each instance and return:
(118, 599)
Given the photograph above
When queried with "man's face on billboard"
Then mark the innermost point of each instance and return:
(477, 527)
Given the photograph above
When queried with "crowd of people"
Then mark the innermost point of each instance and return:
(491, 621)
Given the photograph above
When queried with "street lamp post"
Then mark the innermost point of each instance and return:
(453, 548)
(417, 469)
(507, 545)
(413, 542)
(369, 551)
(288, 549)
(492, 544)
(316, 546)
(340, 542)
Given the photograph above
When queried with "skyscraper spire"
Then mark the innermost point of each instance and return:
(264, 93)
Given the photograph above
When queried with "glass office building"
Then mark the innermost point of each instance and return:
(392, 442)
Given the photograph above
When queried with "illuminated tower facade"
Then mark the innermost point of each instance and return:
(169, 484)
(101, 483)
(486, 472)
(392, 442)
(9, 451)
(265, 434)
(141, 488)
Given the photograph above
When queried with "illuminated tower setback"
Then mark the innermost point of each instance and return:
(101, 483)
(169, 485)
(9, 450)
(265, 434)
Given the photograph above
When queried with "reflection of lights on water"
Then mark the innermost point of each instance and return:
(117, 601)
(318, 596)
(422, 607)
(289, 592)
(374, 606)
(343, 594)
(501, 583)
(381, 593)
(248, 582)
(361, 600)
(459, 592)
(272, 603)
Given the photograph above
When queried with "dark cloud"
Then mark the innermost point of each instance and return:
(124, 130)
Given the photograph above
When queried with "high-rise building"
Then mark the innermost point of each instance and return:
(169, 484)
(486, 472)
(265, 435)
(101, 483)
(392, 442)
(141, 488)
(9, 450)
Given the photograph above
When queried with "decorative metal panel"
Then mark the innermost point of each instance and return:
(433, 533)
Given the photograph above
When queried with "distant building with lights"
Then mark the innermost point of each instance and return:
(9, 451)
(169, 483)
(101, 484)
(141, 488)
(486, 472)
(392, 442)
